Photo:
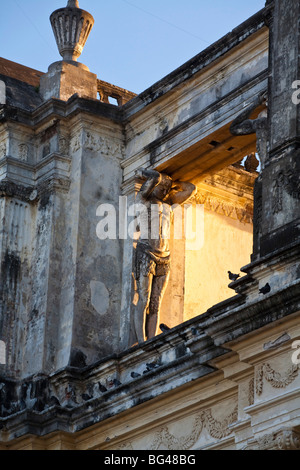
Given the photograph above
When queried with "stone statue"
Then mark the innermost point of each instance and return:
(242, 125)
(151, 264)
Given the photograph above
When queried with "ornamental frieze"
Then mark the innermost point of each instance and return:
(214, 203)
(204, 420)
(275, 379)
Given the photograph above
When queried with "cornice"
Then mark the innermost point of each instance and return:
(40, 179)
(198, 63)
(185, 351)
(60, 109)
(236, 317)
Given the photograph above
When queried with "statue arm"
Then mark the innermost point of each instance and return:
(152, 178)
(181, 192)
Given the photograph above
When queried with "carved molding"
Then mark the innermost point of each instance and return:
(284, 439)
(30, 194)
(96, 143)
(275, 379)
(215, 203)
(103, 145)
(251, 391)
(23, 152)
(54, 183)
(13, 190)
(216, 429)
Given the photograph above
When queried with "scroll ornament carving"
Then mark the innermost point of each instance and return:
(288, 439)
(276, 379)
(284, 439)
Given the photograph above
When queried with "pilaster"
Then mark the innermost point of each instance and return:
(280, 180)
(277, 190)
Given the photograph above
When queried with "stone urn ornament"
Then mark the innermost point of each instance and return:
(71, 26)
(68, 77)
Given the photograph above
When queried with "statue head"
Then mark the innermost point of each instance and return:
(164, 187)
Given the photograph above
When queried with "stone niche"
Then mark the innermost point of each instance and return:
(199, 275)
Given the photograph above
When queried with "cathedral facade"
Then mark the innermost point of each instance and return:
(217, 367)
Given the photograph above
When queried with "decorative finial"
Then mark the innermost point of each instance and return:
(71, 27)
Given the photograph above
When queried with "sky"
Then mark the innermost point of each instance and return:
(133, 44)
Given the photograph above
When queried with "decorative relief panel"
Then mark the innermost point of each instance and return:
(63, 145)
(103, 145)
(292, 182)
(287, 439)
(216, 429)
(287, 180)
(23, 152)
(275, 379)
(76, 143)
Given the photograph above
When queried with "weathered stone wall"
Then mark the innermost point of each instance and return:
(61, 281)
(226, 379)
(190, 395)
(98, 266)
(280, 213)
(15, 286)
